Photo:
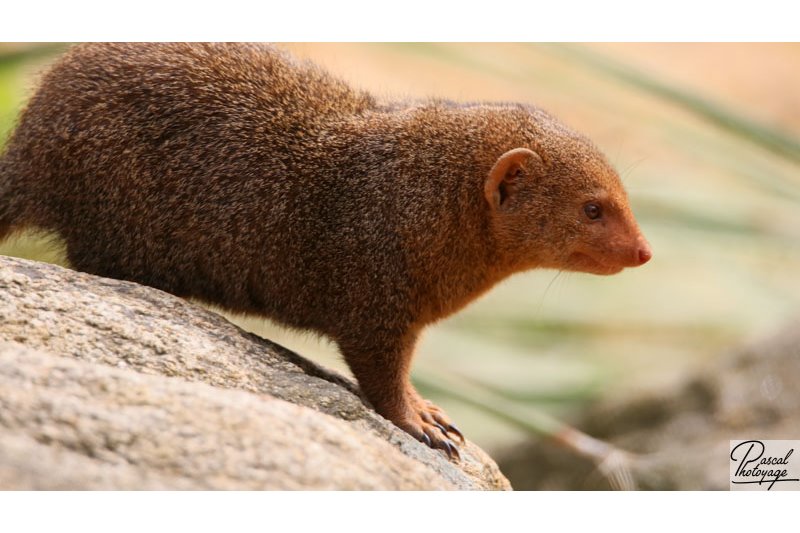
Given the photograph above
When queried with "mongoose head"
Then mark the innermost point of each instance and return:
(561, 205)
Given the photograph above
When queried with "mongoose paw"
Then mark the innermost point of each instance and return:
(430, 435)
(443, 423)
(431, 426)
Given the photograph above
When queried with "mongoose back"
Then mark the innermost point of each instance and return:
(236, 175)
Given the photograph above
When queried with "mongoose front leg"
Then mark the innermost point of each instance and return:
(382, 370)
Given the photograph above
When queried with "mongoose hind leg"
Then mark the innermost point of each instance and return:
(382, 371)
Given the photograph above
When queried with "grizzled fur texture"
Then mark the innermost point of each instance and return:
(236, 175)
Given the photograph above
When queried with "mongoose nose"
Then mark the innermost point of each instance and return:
(645, 253)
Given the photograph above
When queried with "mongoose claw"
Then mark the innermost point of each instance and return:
(451, 428)
(447, 449)
(452, 450)
(441, 428)
(427, 440)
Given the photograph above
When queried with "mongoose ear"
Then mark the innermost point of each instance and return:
(498, 185)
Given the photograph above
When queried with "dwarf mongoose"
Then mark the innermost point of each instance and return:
(237, 175)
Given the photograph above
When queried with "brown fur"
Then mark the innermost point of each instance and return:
(233, 174)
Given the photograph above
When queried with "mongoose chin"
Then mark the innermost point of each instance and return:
(234, 174)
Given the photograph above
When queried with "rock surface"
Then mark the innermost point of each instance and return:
(107, 384)
(680, 438)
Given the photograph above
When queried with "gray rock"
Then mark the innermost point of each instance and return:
(107, 384)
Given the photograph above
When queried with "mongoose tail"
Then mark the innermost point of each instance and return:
(9, 200)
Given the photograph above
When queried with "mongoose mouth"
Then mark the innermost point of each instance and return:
(582, 262)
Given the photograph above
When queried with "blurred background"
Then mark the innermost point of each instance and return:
(706, 138)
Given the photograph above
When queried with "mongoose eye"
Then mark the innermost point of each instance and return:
(593, 211)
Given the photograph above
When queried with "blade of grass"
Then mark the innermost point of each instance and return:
(742, 163)
(612, 462)
(764, 136)
(28, 53)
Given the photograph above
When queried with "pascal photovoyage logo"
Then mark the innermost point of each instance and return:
(764, 465)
